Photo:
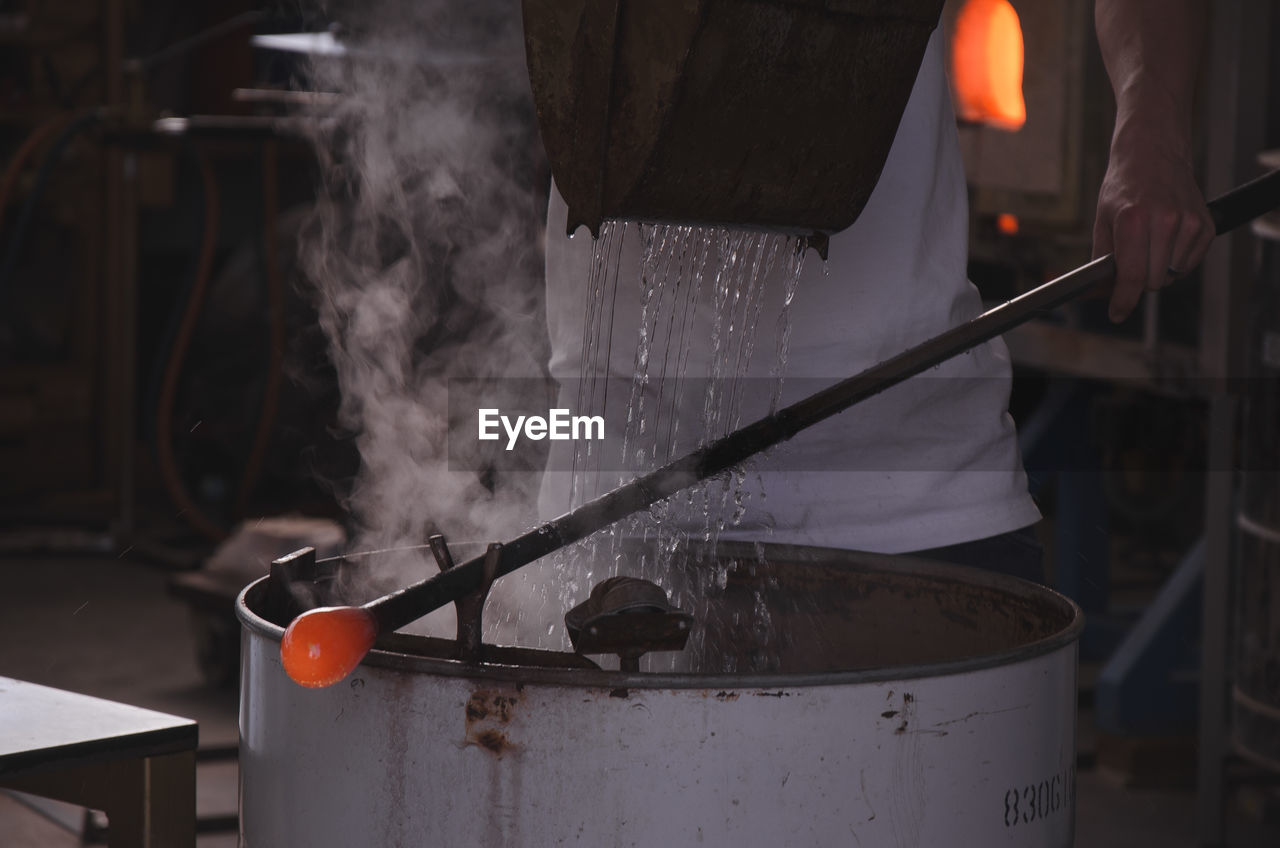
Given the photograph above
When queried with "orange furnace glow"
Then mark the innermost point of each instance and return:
(986, 64)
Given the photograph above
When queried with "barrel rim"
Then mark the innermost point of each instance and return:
(615, 680)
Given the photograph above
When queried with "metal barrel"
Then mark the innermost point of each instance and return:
(1256, 689)
(898, 702)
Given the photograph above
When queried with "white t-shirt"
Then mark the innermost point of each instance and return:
(931, 462)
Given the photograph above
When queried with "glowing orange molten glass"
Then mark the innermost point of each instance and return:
(324, 645)
(986, 64)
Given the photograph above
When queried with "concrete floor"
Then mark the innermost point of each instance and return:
(108, 627)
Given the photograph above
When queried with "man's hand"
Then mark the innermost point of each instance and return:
(1151, 214)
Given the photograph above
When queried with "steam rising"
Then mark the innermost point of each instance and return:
(425, 253)
(424, 250)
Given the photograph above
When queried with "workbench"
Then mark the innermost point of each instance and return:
(135, 765)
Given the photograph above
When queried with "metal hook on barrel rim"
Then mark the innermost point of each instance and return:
(469, 608)
(440, 550)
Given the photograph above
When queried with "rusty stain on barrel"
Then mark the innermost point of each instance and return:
(492, 740)
(487, 712)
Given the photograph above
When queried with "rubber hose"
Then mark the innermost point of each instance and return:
(42, 178)
(275, 310)
(20, 156)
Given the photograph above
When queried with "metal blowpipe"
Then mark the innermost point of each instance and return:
(308, 636)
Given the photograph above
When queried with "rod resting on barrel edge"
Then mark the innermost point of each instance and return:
(399, 608)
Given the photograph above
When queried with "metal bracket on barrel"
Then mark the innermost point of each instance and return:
(469, 608)
(297, 582)
(628, 617)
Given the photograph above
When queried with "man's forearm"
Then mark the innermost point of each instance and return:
(1151, 213)
(1152, 50)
